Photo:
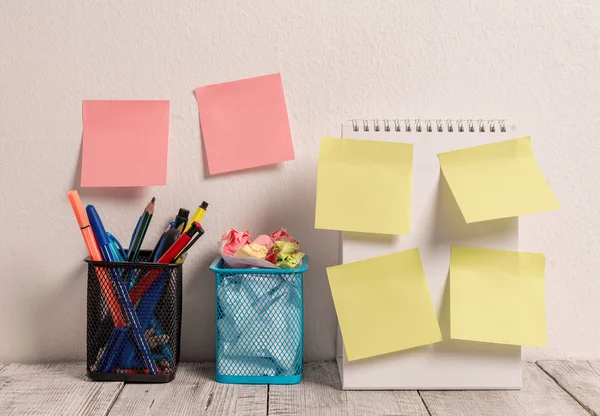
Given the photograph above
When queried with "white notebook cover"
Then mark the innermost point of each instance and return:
(436, 224)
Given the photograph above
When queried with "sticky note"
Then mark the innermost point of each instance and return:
(364, 186)
(497, 296)
(244, 123)
(497, 180)
(125, 143)
(383, 304)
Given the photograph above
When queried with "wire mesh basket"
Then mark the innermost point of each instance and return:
(133, 320)
(259, 324)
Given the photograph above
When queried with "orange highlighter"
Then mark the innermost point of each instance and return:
(95, 255)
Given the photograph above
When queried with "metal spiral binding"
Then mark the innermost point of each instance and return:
(479, 125)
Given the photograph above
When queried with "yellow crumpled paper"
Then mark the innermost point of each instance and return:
(290, 261)
(251, 251)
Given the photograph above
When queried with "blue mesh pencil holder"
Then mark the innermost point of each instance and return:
(259, 324)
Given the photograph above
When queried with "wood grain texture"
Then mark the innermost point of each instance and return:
(581, 379)
(3, 380)
(320, 393)
(540, 395)
(53, 389)
(193, 391)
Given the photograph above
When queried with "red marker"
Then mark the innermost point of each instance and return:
(180, 244)
(145, 282)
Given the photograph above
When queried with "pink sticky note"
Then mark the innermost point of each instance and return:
(125, 143)
(244, 123)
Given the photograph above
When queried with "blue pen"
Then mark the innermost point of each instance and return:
(159, 246)
(120, 255)
(116, 248)
(129, 350)
(111, 350)
(145, 311)
(145, 307)
(108, 254)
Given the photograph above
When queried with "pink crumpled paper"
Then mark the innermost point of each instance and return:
(265, 240)
(233, 240)
(283, 235)
(272, 256)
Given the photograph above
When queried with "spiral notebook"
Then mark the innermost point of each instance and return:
(436, 224)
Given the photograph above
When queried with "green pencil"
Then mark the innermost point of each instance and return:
(140, 233)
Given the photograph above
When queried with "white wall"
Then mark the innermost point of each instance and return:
(535, 63)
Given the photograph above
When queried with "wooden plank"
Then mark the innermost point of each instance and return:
(3, 380)
(581, 379)
(320, 393)
(539, 396)
(54, 389)
(193, 391)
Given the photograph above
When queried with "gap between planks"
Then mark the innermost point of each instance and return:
(540, 395)
(580, 379)
(193, 391)
(53, 389)
(553, 388)
(320, 394)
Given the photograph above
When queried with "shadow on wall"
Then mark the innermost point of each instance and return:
(42, 320)
(450, 228)
(133, 193)
(62, 301)
(458, 347)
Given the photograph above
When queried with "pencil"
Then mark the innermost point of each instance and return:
(140, 232)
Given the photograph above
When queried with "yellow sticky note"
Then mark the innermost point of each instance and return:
(383, 304)
(497, 296)
(364, 186)
(497, 180)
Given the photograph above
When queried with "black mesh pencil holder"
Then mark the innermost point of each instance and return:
(133, 320)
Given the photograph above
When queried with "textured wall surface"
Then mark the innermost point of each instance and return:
(535, 63)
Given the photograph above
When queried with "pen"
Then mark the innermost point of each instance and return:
(153, 282)
(145, 310)
(95, 255)
(145, 282)
(132, 318)
(169, 239)
(116, 248)
(182, 217)
(84, 225)
(198, 215)
(189, 245)
(111, 350)
(153, 255)
(130, 284)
